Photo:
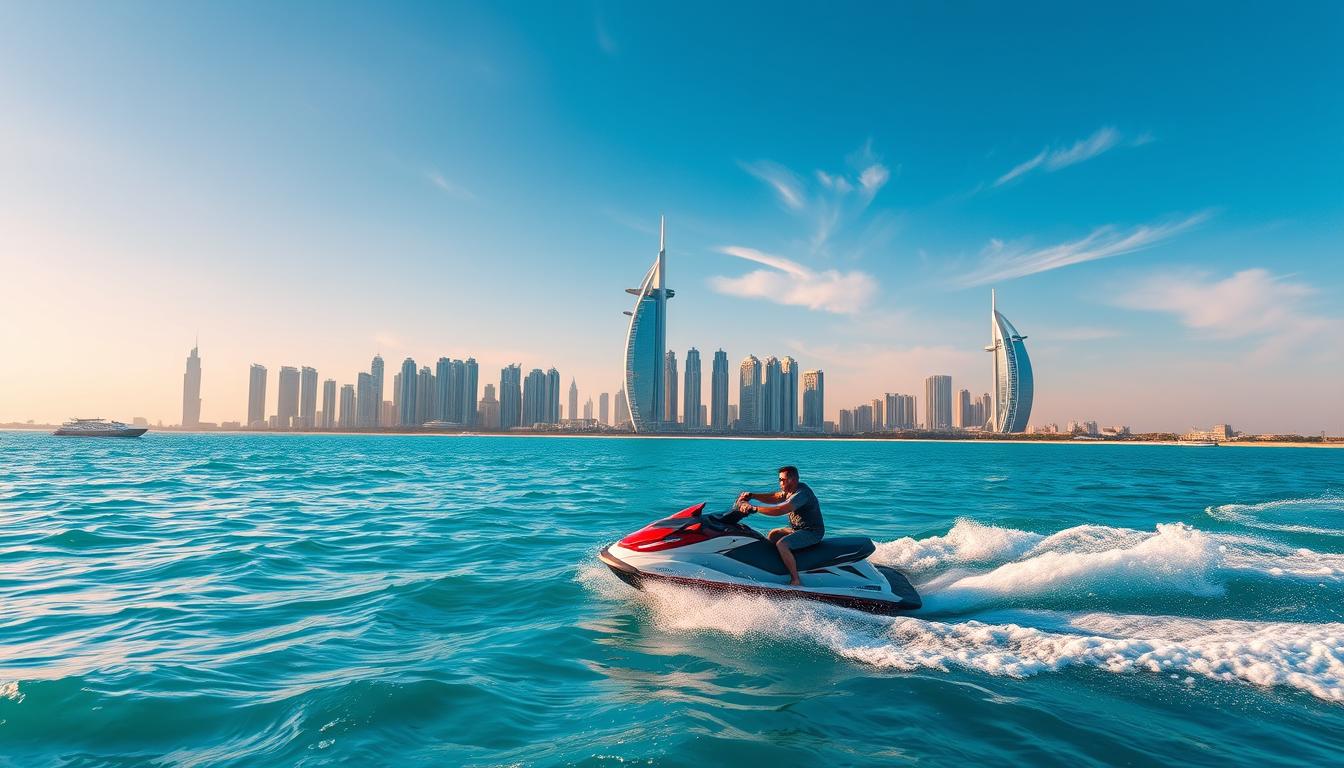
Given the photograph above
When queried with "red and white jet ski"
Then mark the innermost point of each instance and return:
(719, 552)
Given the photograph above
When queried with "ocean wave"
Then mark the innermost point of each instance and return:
(1266, 516)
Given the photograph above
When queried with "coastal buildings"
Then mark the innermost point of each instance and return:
(287, 400)
(622, 413)
(349, 404)
(307, 397)
(328, 403)
(901, 410)
(646, 344)
(670, 388)
(256, 396)
(938, 403)
(769, 404)
(604, 409)
(191, 391)
(588, 410)
(376, 381)
(1014, 386)
(814, 400)
(748, 395)
(718, 393)
(788, 394)
(691, 400)
(552, 410)
(425, 396)
(403, 390)
(573, 411)
(366, 404)
(487, 412)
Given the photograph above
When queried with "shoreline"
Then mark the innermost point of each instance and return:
(1330, 443)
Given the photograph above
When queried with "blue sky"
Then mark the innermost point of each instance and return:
(1155, 192)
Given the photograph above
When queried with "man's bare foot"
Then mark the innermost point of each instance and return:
(795, 583)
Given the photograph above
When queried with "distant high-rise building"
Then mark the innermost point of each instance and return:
(879, 423)
(347, 406)
(191, 391)
(388, 411)
(487, 411)
(718, 393)
(732, 413)
(938, 403)
(985, 410)
(704, 415)
(307, 397)
(846, 424)
(534, 398)
(900, 411)
(588, 410)
(622, 416)
(425, 396)
(376, 379)
(469, 385)
(328, 403)
(670, 405)
(863, 419)
(788, 395)
(604, 409)
(814, 400)
(366, 404)
(444, 379)
(256, 396)
(646, 344)
(396, 398)
(1014, 384)
(690, 412)
(287, 398)
(573, 412)
(748, 395)
(552, 396)
(406, 393)
(772, 396)
(962, 415)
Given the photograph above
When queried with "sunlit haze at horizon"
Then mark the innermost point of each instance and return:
(1154, 194)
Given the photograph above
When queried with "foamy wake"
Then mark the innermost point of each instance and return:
(1306, 657)
(1283, 515)
(973, 564)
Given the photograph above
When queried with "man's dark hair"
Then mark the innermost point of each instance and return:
(792, 470)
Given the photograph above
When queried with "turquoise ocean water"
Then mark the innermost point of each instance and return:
(258, 600)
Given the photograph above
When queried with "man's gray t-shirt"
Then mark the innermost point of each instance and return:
(806, 514)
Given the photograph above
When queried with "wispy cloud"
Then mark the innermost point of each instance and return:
(788, 282)
(452, 188)
(1001, 261)
(834, 199)
(786, 185)
(1249, 303)
(1080, 333)
(1053, 159)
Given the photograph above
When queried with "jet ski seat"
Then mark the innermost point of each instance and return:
(829, 551)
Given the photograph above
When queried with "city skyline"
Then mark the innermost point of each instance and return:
(1172, 254)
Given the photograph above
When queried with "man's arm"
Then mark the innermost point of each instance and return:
(772, 496)
(776, 510)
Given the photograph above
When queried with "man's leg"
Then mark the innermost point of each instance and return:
(786, 555)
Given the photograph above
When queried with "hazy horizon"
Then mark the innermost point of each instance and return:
(1155, 196)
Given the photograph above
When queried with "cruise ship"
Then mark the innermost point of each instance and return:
(98, 428)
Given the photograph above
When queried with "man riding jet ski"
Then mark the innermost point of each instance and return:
(717, 551)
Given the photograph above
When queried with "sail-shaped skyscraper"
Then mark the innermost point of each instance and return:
(1013, 384)
(646, 344)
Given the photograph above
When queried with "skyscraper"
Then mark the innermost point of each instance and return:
(770, 404)
(406, 393)
(307, 397)
(1014, 385)
(938, 403)
(444, 379)
(718, 392)
(469, 384)
(814, 400)
(256, 396)
(863, 419)
(535, 398)
(376, 379)
(426, 395)
(366, 405)
(348, 406)
(287, 398)
(328, 403)
(748, 395)
(604, 409)
(510, 396)
(573, 412)
(646, 343)
(487, 412)
(552, 396)
(962, 415)
(588, 410)
(788, 395)
(878, 422)
(670, 388)
(690, 413)
(191, 391)
(622, 415)
(900, 411)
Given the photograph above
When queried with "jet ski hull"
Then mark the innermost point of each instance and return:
(899, 596)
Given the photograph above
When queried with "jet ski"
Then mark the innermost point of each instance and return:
(718, 551)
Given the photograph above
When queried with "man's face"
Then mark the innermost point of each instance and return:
(786, 483)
